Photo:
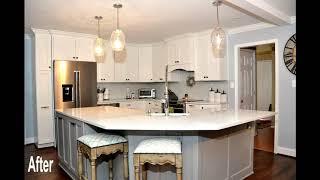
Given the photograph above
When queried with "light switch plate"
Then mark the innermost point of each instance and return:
(231, 84)
(293, 83)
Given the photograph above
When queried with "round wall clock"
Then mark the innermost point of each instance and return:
(289, 54)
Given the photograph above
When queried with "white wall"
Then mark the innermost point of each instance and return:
(287, 94)
(29, 108)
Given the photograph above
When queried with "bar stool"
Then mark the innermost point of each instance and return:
(94, 145)
(158, 151)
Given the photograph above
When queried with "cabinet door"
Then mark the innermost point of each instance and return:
(172, 53)
(185, 50)
(85, 49)
(120, 65)
(75, 132)
(216, 67)
(60, 139)
(159, 62)
(105, 69)
(190, 108)
(66, 142)
(44, 108)
(201, 64)
(132, 63)
(145, 64)
(240, 153)
(63, 47)
(43, 51)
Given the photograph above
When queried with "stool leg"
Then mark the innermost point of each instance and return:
(144, 172)
(93, 169)
(110, 169)
(80, 165)
(179, 166)
(136, 173)
(179, 173)
(125, 162)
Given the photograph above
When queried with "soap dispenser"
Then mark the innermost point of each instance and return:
(217, 96)
(211, 95)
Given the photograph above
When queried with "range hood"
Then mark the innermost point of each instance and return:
(182, 66)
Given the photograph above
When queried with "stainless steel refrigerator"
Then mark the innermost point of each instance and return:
(75, 84)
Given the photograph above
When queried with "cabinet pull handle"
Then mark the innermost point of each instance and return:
(44, 107)
(72, 123)
(190, 105)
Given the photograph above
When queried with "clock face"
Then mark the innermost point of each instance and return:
(289, 54)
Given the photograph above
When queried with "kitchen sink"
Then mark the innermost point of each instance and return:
(170, 114)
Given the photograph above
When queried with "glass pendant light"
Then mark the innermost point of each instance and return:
(99, 44)
(117, 38)
(218, 36)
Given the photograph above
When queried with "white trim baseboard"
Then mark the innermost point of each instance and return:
(29, 140)
(286, 151)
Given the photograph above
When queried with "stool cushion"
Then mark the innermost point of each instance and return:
(159, 145)
(101, 139)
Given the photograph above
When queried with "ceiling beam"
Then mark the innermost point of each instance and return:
(260, 10)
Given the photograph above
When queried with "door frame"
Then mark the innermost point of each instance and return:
(236, 70)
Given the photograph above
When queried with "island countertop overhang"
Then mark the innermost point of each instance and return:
(115, 118)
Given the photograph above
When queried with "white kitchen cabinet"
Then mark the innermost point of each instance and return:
(127, 64)
(63, 47)
(105, 68)
(180, 50)
(85, 49)
(44, 92)
(145, 64)
(145, 105)
(213, 107)
(207, 67)
(159, 62)
(72, 47)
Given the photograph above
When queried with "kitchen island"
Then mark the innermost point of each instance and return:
(215, 145)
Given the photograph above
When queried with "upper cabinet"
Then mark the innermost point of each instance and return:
(105, 68)
(181, 53)
(85, 49)
(145, 64)
(72, 47)
(207, 67)
(159, 62)
(127, 64)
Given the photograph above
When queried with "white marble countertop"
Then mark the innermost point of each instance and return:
(204, 102)
(126, 100)
(115, 118)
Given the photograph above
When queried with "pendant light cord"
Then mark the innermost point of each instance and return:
(117, 18)
(218, 13)
(99, 28)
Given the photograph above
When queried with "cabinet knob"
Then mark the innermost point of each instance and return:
(160, 78)
(49, 67)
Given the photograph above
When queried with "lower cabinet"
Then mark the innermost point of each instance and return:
(68, 131)
(152, 106)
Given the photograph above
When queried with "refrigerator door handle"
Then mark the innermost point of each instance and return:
(76, 83)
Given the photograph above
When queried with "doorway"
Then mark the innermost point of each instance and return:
(256, 70)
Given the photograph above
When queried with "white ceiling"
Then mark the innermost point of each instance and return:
(142, 21)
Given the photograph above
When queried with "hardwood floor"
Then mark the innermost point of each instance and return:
(266, 165)
(264, 140)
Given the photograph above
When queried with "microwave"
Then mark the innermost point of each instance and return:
(146, 93)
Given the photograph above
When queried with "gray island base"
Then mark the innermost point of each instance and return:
(221, 154)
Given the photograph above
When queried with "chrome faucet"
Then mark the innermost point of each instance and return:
(166, 93)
